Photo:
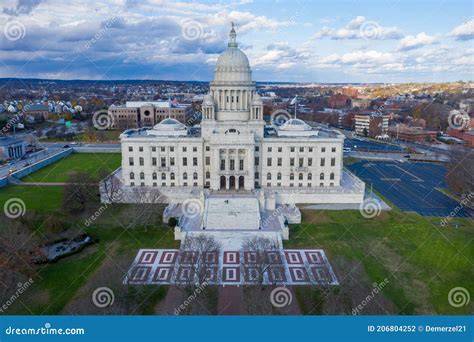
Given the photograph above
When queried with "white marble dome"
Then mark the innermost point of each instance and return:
(232, 65)
(170, 124)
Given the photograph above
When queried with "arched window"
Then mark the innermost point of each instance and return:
(279, 176)
(331, 176)
(142, 175)
(208, 175)
(310, 176)
(132, 175)
(292, 176)
(154, 175)
(163, 176)
(269, 176)
(300, 176)
(321, 176)
(185, 176)
(195, 175)
(172, 175)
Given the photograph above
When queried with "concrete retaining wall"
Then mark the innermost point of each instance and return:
(42, 163)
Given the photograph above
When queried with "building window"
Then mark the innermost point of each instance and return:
(310, 149)
(163, 162)
(185, 161)
(301, 149)
(269, 161)
(130, 148)
(278, 176)
(132, 183)
(292, 149)
(300, 176)
(140, 148)
(195, 161)
(222, 164)
(269, 149)
(309, 185)
(208, 175)
(232, 165)
(185, 148)
(172, 176)
(195, 149)
(333, 161)
(279, 162)
(321, 184)
(162, 149)
(257, 160)
(292, 176)
(333, 149)
(154, 175)
(155, 184)
(292, 161)
(241, 164)
(130, 161)
(301, 162)
(331, 184)
(257, 148)
(208, 148)
(208, 160)
(171, 148)
(142, 183)
(269, 176)
(142, 175)
(323, 161)
(331, 176)
(321, 176)
(132, 175)
(278, 184)
(195, 175)
(310, 176)
(323, 149)
(310, 161)
(163, 176)
(269, 184)
(185, 175)
(153, 149)
(257, 175)
(142, 161)
(171, 161)
(153, 161)
(280, 149)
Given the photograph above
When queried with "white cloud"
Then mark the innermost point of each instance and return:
(465, 31)
(415, 42)
(359, 28)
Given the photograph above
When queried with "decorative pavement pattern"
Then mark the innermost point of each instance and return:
(282, 267)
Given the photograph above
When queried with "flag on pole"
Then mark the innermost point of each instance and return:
(294, 100)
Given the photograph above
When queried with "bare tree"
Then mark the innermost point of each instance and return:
(111, 186)
(145, 211)
(260, 246)
(460, 171)
(78, 191)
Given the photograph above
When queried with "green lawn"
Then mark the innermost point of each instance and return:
(422, 260)
(90, 163)
(41, 198)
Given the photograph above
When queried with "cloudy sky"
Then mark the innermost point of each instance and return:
(302, 41)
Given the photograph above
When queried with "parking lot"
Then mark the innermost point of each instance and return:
(356, 144)
(411, 186)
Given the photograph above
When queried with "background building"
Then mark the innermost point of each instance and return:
(371, 124)
(11, 148)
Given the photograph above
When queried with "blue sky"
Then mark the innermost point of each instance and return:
(302, 41)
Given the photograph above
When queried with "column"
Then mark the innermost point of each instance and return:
(226, 182)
